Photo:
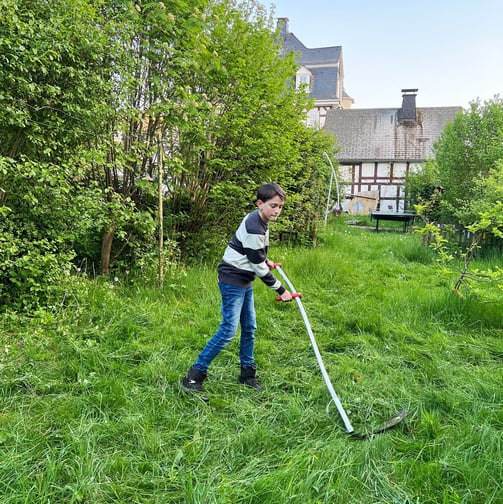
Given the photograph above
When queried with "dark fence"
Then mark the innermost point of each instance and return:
(455, 234)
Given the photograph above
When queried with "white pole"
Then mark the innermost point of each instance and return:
(328, 197)
(332, 177)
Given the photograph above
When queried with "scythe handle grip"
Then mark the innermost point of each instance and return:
(294, 295)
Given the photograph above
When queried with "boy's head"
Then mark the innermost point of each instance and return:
(268, 191)
(270, 200)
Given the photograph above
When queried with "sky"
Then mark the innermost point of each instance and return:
(450, 50)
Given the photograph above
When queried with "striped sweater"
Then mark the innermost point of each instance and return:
(246, 254)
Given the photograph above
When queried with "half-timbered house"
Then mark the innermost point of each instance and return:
(379, 147)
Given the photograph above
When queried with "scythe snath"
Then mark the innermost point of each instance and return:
(392, 422)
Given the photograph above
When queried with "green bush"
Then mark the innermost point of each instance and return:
(43, 210)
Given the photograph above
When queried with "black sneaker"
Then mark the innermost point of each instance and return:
(248, 377)
(193, 383)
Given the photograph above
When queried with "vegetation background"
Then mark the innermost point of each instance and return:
(110, 108)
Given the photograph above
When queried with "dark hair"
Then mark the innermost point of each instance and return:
(268, 191)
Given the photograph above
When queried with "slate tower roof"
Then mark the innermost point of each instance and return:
(324, 63)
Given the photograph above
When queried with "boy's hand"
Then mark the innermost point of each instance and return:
(286, 296)
(270, 264)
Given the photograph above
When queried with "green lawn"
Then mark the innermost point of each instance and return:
(91, 410)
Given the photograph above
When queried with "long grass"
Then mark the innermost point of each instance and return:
(91, 410)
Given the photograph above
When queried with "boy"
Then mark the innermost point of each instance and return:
(244, 259)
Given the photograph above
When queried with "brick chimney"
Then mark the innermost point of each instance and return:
(407, 113)
(282, 26)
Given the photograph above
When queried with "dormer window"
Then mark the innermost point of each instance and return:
(304, 79)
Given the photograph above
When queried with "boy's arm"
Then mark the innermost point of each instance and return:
(285, 295)
(263, 272)
(262, 266)
(255, 240)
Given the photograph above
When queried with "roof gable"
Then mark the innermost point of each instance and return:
(324, 63)
(306, 56)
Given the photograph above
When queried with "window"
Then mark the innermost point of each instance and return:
(303, 79)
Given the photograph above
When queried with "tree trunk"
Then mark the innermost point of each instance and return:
(106, 248)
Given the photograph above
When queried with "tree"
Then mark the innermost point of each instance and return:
(93, 94)
(425, 192)
(50, 77)
(51, 87)
(469, 147)
(469, 169)
(244, 129)
(151, 47)
(207, 82)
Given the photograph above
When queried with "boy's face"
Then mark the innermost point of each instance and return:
(269, 210)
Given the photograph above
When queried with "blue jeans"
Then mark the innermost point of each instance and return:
(237, 308)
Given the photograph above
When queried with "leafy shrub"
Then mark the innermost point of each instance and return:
(42, 210)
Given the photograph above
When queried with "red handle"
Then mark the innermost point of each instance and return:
(274, 265)
(294, 295)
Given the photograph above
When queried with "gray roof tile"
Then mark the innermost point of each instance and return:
(377, 134)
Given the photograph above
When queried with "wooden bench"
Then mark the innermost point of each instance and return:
(406, 217)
